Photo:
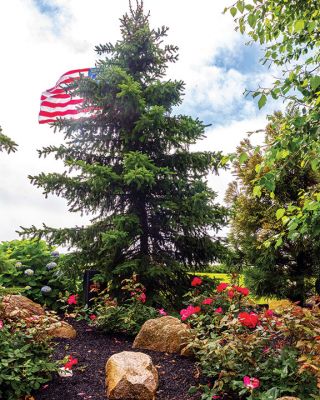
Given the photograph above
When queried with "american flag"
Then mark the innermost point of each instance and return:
(57, 103)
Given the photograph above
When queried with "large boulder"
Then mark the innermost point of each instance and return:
(20, 307)
(166, 334)
(17, 306)
(131, 375)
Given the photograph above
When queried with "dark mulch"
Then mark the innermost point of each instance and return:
(93, 348)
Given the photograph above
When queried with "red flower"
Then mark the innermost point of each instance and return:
(142, 298)
(269, 313)
(243, 290)
(222, 286)
(1, 324)
(207, 301)
(187, 312)
(162, 312)
(218, 310)
(196, 281)
(251, 383)
(250, 320)
(72, 299)
(92, 317)
(71, 363)
(231, 294)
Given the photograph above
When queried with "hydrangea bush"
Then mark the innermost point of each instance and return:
(35, 267)
(248, 352)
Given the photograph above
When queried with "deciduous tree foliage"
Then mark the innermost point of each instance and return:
(281, 270)
(130, 166)
(289, 30)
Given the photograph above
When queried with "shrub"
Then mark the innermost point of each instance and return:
(251, 353)
(25, 362)
(34, 265)
(128, 317)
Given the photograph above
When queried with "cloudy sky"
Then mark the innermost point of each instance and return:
(42, 39)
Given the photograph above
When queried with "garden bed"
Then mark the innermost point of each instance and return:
(93, 348)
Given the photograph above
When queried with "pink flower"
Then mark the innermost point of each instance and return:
(142, 298)
(72, 299)
(71, 363)
(218, 310)
(266, 349)
(196, 281)
(1, 324)
(230, 294)
(251, 383)
(187, 312)
(92, 317)
(162, 312)
(222, 286)
(216, 397)
(207, 301)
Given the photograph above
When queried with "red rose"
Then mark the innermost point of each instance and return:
(207, 301)
(249, 320)
(72, 299)
(231, 294)
(218, 310)
(222, 286)
(196, 281)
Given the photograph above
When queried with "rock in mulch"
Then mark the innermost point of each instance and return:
(288, 398)
(131, 375)
(93, 348)
(166, 334)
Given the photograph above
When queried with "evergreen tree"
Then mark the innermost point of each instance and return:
(7, 144)
(132, 168)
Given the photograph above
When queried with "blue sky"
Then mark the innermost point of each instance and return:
(55, 36)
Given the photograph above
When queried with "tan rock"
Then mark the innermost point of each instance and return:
(288, 398)
(15, 305)
(131, 376)
(62, 329)
(166, 334)
(20, 307)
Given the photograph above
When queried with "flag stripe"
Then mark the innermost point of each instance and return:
(56, 102)
(53, 103)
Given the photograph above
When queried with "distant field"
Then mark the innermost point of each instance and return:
(273, 303)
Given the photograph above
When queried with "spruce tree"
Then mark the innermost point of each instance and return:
(130, 166)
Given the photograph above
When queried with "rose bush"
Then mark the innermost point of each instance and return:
(246, 352)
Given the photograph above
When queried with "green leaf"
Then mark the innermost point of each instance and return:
(251, 20)
(262, 101)
(315, 82)
(257, 191)
(280, 213)
(240, 5)
(299, 25)
(243, 158)
(278, 243)
(233, 11)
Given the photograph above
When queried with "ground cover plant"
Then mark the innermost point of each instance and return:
(246, 352)
(26, 355)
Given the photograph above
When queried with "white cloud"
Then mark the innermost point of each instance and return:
(37, 48)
